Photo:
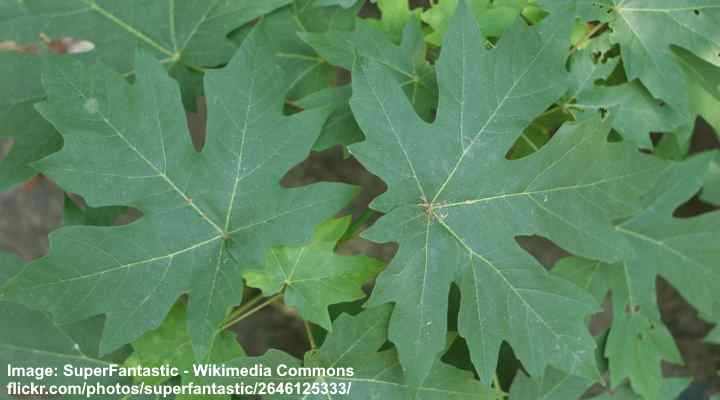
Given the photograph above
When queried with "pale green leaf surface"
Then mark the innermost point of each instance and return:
(454, 203)
(314, 276)
(205, 213)
(439, 15)
(395, 15)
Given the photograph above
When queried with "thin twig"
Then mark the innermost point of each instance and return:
(310, 337)
(587, 37)
(240, 317)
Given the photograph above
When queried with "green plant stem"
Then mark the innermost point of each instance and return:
(587, 37)
(496, 385)
(238, 316)
(311, 339)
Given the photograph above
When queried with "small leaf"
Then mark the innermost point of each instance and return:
(314, 276)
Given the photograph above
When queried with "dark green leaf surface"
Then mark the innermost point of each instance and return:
(205, 213)
(552, 385)
(354, 342)
(638, 339)
(685, 251)
(406, 60)
(170, 344)
(645, 30)
(454, 203)
(30, 339)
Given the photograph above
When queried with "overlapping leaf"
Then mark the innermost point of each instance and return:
(205, 213)
(170, 344)
(638, 340)
(685, 251)
(454, 203)
(646, 29)
(313, 277)
(552, 385)
(406, 60)
(355, 342)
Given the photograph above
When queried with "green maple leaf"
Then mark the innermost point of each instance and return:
(552, 385)
(313, 277)
(638, 339)
(170, 344)
(308, 71)
(32, 136)
(189, 33)
(684, 251)
(672, 388)
(454, 203)
(395, 15)
(646, 29)
(355, 342)
(29, 339)
(636, 113)
(703, 81)
(341, 127)
(493, 17)
(405, 60)
(313, 79)
(205, 213)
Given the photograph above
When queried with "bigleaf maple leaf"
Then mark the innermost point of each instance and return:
(454, 203)
(205, 213)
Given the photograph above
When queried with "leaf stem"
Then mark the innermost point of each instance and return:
(241, 314)
(587, 37)
(496, 385)
(310, 337)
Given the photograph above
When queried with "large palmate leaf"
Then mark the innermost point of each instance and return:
(636, 114)
(454, 203)
(354, 343)
(685, 251)
(646, 29)
(313, 277)
(638, 340)
(205, 213)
